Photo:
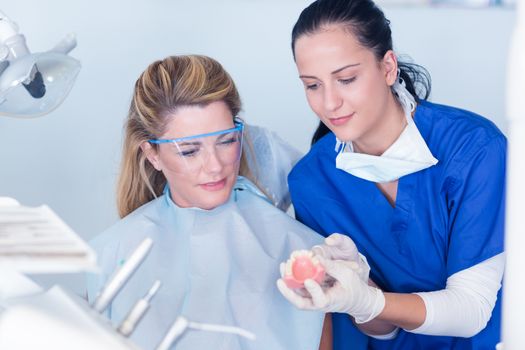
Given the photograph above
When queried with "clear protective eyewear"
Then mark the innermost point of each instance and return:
(192, 153)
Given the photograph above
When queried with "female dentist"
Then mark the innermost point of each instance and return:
(419, 187)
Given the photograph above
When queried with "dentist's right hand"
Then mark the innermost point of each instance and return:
(349, 294)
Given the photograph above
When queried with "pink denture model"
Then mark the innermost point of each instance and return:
(301, 266)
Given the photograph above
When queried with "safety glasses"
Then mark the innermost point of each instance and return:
(192, 153)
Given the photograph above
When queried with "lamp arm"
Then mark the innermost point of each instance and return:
(8, 28)
(68, 43)
(12, 43)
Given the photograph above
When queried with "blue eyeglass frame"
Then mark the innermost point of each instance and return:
(239, 126)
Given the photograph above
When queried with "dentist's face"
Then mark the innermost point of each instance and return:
(346, 85)
(196, 170)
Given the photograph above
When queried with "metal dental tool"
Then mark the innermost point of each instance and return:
(181, 324)
(122, 275)
(138, 311)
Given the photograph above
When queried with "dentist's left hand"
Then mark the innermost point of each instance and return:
(341, 247)
(349, 294)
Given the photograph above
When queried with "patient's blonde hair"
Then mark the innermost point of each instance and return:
(163, 87)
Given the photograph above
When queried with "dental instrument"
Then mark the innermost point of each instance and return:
(122, 275)
(138, 311)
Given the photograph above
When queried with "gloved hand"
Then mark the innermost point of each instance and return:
(341, 247)
(349, 294)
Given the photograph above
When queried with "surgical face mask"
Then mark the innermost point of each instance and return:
(408, 154)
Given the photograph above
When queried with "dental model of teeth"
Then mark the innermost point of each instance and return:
(301, 266)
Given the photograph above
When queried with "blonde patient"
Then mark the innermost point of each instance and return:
(185, 181)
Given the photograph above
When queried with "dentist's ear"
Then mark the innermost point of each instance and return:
(151, 154)
(389, 64)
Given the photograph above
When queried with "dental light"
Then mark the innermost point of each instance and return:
(33, 84)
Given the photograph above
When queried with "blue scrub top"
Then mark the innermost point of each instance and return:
(447, 218)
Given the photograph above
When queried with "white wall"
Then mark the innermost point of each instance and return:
(69, 158)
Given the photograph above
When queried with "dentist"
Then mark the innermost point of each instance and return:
(416, 187)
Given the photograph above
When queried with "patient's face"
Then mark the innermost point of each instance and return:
(200, 172)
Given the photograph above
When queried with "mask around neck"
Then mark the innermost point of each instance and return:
(407, 155)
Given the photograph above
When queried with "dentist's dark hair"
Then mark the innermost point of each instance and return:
(368, 23)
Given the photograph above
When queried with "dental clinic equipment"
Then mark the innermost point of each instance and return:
(138, 311)
(122, 275)
(58, 320)
(36, 240)
(181, 324)
(140, 308)
(33, 84)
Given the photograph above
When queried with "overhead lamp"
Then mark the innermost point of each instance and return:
(33, 84)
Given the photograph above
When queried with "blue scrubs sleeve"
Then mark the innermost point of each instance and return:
(303, 215)
(476, 203)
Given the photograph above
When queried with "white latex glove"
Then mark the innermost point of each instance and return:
(349, 294)
(341, 247)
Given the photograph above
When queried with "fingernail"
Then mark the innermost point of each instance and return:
(308, 283)
(318, 250)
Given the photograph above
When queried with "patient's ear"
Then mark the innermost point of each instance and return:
(152, 154)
